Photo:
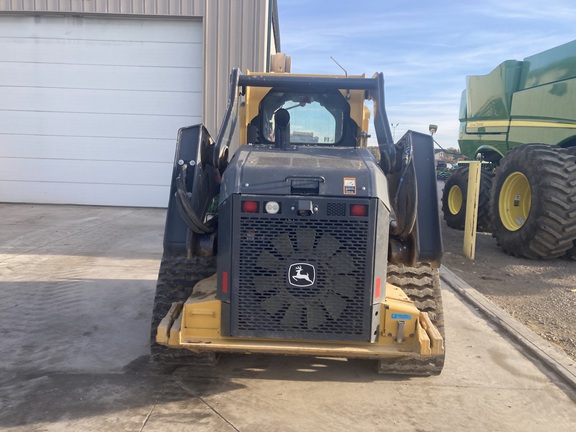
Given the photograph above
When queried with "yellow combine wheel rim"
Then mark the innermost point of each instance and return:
(515, 201)
(455, 200)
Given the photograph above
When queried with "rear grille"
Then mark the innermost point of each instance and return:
(326, 261)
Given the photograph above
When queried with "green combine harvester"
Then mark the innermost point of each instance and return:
(521, 118)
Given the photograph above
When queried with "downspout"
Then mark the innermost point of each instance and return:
(269, 33)
(273, 31)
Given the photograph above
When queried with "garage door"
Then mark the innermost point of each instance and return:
(90, 107)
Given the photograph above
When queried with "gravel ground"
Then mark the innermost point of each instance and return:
(539, 294)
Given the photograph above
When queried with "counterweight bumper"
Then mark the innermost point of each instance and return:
(404, 332)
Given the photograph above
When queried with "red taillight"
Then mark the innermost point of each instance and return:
(377, 289)
(358, 210)
(249, 206)
(225, 282)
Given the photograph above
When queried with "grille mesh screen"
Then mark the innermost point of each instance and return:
(330, 253)
(336, 209)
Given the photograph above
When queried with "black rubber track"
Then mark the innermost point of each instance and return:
(422, 285)
(550, 229)
(176, 278)
(459, 178)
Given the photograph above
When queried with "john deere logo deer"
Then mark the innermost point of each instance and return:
(301, 274)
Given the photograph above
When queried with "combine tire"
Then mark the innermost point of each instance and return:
(422, 285)
(533, 202)
(454, 200)
(571, 254)
(176, 278)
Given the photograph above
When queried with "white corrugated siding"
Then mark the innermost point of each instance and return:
(236, 37)
(152, 7)
(234, 33)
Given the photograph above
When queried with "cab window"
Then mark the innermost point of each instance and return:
(315, 118)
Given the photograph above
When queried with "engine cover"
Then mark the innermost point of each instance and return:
(315, 269)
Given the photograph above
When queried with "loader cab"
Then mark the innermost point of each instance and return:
(327, 117)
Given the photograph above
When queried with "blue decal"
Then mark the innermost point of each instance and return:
(401, 316)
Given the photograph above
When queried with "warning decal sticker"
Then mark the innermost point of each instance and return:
(349, 186)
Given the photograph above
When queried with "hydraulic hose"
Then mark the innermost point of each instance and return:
(186, 209)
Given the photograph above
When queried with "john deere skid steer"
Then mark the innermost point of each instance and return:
(286, 236)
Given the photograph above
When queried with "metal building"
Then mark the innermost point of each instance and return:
(92, 92)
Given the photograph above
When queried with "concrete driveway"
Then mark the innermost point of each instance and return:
(77, 286)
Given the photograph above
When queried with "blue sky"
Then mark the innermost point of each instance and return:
(425, 48)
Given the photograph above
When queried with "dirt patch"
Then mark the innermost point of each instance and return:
(539, 294)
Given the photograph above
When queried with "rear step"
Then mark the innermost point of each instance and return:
(429, 342)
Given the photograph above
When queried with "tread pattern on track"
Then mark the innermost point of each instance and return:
(422, 285)
(176, 279)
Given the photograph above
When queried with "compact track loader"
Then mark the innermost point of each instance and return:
(286, 236)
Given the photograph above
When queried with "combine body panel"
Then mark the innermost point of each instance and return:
(526, 108)
(293, 239)
(521, 102)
